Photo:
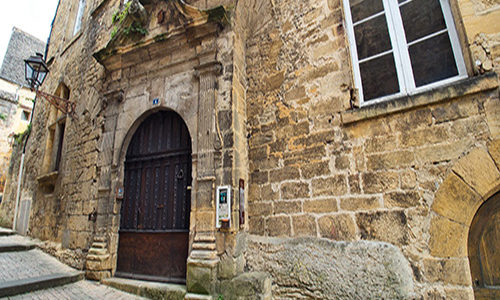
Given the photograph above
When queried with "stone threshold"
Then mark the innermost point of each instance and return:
(148, 289)
(25, 285)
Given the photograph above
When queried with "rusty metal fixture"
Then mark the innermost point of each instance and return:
(64, 105)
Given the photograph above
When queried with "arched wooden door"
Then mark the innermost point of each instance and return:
(484, 249)
(154, 227)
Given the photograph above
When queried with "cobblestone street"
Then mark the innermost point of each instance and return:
(28, 273)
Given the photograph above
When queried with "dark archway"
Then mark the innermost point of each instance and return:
(484, 249)
(154, 226)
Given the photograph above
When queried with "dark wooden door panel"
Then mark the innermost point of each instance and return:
(157, 256)
(154, 224)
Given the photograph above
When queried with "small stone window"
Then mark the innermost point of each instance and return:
(401, 47)
(55, 139)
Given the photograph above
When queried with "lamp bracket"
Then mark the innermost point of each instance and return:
(64, 105)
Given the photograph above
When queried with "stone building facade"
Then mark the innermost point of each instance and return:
(15, 96)
(349, 189)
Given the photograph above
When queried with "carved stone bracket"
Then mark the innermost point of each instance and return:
(114, 95)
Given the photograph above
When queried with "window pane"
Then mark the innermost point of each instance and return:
(421, 18)
(378, 77)
(372, 37)
(361, 9)
(432, 60)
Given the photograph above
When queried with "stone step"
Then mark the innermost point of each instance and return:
(94, 251)
(99, 245)
(205, 246)
(6, 232)
(21, 286)
(93, 257)
(148, 289)
(100, 239)
(16, 247)
(204, 238)
(191, 296)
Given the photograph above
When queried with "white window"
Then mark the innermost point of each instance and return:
(79, 16)
(400, 47)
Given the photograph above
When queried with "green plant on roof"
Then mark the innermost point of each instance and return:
(118, 18)
(120, 15)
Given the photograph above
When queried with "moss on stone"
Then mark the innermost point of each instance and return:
(219, 15)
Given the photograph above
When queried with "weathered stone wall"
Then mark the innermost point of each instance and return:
(336, 185)
(311, 268)
(7, 207)
(319, 169)
(109, 106)
(15, 101)
(482, 32)
(61, 214)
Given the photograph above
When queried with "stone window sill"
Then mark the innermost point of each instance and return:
(49, 178)
(461, 88)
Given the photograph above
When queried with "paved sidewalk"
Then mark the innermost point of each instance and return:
(79, 290)
(29, 264)
(41, 276)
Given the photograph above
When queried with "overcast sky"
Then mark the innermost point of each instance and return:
(31, 16)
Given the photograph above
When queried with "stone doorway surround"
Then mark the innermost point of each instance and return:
(471, 182)
(144, 79)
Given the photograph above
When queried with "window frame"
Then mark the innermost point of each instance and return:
(400, 50)
(79, 16)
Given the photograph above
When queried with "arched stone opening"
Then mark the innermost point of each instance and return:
(457, 207)
(155, 212)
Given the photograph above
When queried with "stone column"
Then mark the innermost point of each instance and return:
(203, 259)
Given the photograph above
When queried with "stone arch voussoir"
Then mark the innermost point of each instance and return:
(474, 178)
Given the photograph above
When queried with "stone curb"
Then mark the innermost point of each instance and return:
(16, 247)
(16, 287)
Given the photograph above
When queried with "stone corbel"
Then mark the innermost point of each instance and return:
(114, 96)
(213, 68)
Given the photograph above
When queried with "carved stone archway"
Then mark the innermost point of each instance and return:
(472, 181)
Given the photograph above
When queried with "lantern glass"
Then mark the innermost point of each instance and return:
(29, 73)
(36, 70)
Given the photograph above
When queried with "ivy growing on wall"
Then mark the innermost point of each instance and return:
(118, 18)
(19, 138)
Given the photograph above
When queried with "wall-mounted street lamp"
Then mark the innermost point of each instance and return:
(35, 71)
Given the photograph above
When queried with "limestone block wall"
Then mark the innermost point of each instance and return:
(319, 169)
(61, 214)
(9, 196)
(482, 32)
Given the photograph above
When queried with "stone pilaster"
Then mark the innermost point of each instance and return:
(203, 259)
